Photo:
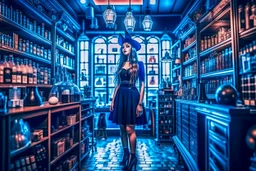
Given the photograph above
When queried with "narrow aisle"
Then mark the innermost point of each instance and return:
(151, 157)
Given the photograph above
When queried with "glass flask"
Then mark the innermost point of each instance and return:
(66, 91)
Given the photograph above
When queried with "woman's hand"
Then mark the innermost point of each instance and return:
(139, 110)
(111, 108)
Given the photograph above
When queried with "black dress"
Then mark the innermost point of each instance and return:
(127, 99)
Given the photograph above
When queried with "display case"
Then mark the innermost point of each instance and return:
(165, 118)
(106, 56)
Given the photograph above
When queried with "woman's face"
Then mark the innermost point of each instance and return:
(127, 49)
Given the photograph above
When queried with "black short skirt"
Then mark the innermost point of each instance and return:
(125, 104)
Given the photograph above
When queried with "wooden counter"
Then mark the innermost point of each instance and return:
(47, 118)
(212, 136)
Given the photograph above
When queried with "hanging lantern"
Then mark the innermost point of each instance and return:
(166, 57)
(89, 12)
(129, 20)
(109, 16)
(82, 1)
(147, 23)
(94, 23)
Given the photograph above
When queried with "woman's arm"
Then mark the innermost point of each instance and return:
(142, 90)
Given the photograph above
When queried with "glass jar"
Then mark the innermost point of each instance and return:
(66, 91)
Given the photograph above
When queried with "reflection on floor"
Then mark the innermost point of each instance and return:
(151, 157)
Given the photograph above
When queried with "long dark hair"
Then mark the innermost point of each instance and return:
(133, 59)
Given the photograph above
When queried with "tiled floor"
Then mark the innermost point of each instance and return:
(151, 157)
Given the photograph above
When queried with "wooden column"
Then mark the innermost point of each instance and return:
(235, 43)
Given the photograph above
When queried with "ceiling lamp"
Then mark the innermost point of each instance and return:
(129, 20)
(83, 1)
(147, 22)
(109, 16)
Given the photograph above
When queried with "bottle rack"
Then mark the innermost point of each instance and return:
(61, 136)
(211, 56)
(165, 115)
(28, 33)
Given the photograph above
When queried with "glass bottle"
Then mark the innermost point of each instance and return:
(34, 73)
(24, 72)
(30, 72)
(1, 72)
(7, 71)
(14, 69)
(19, 72)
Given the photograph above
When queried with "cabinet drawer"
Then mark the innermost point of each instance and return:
(219, 143)
(217, 128)
(216, 160)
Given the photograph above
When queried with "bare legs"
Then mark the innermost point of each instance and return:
(130, 159)
(132, 137)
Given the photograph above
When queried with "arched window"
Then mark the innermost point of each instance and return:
(105, 57)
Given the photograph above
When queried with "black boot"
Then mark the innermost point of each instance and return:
(125, 157)
(131, 162)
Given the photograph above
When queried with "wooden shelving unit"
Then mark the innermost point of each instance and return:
(45, 118)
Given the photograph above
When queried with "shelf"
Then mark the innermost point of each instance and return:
(28, 146)
(219, 46)
(175, 44)
(168, 124)
(191, 30)
(248, 33)
(64, 153)
(189, 78)
(215, 21)
(89, 108)
(67, 67)
(175, 84)
(248, 72)
(178, 67)
(189, 46)
(86, 117)
(65, 35)
(62, 49)
(24, 32)
(24, 54)
(63, 129)
(190, 60)
(87, 136)
(218, 73)
(88, 152)
(25, 85)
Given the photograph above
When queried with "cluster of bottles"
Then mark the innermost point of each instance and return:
(190, 70)
(15, 42)
(60, 41)
(212, 85)
(23, 71)
(64, 60)
(20, 18)
(191, 53)
(247, 16)
(249, 89)
(209, 41)
(165, 120)
(247, 57)
(165, 130)
(217, 61)
(189, 40)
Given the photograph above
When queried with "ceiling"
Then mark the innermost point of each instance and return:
(158, 11)
(166, 7)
